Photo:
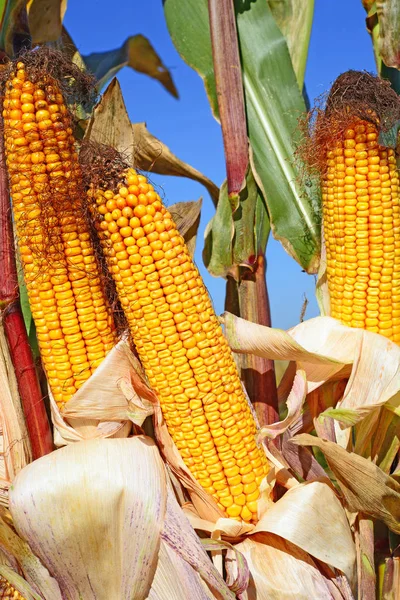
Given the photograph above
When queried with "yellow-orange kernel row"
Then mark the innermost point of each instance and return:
(362, 232)
(7, 591)
(73, 322)
(181, 345)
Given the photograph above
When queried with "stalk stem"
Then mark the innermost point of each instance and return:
(229, 84)
(248, 299)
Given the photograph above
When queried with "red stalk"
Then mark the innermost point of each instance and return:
(248, 295)
(248, 299)
(21, 354)
(228, 81)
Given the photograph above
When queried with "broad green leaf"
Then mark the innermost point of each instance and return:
(237, 232)
(294, 18)
(45, 19)
(190, 32)
(12, 24)
(273, 105)
(137, 53)
(150, 154)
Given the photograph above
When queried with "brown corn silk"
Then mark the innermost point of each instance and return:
(360, 202)
(74, 325)
(8, 591)
(180, 343)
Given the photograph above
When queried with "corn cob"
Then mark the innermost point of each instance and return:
(181, 345)
(8, 591)
(362, 232)
(73, 321)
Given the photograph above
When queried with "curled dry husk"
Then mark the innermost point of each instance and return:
(101, 517)
(324, 350)
(303, 521)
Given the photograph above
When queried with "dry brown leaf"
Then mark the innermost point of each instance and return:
(45, 19)
(365, 487)
(282, 571)
(110, 124)
(150, 154)
(187, 218)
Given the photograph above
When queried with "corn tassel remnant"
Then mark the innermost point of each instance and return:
(73, 320)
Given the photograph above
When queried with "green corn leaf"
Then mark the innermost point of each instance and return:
(346, 416)
(273, 105)
(238, 232)
(294, 18)
(11, 24)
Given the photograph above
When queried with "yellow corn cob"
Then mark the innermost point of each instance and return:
(362, 232)
(181, 345)
(8, 591)
(73, 321)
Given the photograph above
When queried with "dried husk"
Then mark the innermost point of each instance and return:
(117, 529)
(327, 351)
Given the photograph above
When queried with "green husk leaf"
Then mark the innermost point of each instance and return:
(344, 415)
(237, 232)
(389, 138)
(136, 52)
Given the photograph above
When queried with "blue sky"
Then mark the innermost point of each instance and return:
(339, 42)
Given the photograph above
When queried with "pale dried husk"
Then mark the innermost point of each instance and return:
(327, 351)
(305, 529)
(118, 531)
